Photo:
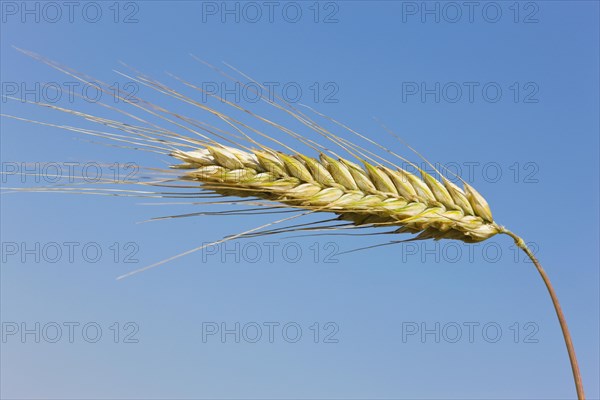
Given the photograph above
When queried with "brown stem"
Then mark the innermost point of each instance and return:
(561, 318)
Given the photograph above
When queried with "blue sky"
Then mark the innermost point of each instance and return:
(505, 93)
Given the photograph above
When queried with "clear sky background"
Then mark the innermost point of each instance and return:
(530, 149)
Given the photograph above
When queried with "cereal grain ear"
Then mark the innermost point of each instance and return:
(348, 190)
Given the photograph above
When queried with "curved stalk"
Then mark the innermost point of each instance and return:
(561, 318)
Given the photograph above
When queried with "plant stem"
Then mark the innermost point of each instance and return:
(561, 318)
